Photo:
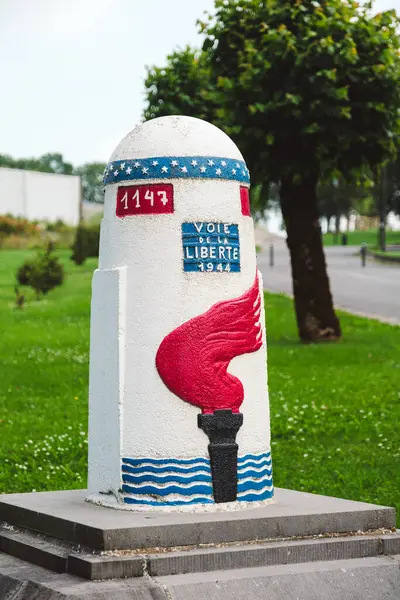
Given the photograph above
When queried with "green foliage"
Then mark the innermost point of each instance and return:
(92, 181)
(262, 196)
(42, 273)
(58, 226)
(338, 197)
(25, 273)
(306, 86)
(300, 86)
(179, 88)
(86, 244)
(79, 250)
(48, 163)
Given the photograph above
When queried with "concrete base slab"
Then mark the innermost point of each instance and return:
(55, 546)
(357, 579)
(66, 515)
(65, 558)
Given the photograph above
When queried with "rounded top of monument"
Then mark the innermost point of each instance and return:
(175, 136)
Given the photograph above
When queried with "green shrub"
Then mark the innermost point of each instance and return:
(25, 272)
(57, 226)
(42, 273)
(93, 241)
(79, 247)
(86, 244)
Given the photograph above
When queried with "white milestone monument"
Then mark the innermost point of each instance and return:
(178, 411)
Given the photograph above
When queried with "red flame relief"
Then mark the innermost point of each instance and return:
(193, 359)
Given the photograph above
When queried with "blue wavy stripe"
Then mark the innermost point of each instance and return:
(181, 463)
(254, 465)
(255, 474)
(256, 497)
(162, 469)
(204, 490)
(129, 500)
(266, 455)
(138, 462)
(176, 167)
(167, 479)
(151, 481)
(253, 485)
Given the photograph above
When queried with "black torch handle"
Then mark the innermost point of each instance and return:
(221, 428)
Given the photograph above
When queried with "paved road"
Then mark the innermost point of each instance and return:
(373, 291)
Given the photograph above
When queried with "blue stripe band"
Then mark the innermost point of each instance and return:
(254, 474)
(200, 500)
(256, 497)
(204, 490)
(129, 500)
(167, 479)
(255, 465)
(255, 457)
(254, 486)
(176, 167)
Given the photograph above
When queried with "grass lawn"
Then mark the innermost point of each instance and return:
(356, 238)
(335, 407)
(388, 254)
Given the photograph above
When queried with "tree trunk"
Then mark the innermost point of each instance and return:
(316, 319)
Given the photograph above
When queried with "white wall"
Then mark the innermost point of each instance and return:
(40, 196)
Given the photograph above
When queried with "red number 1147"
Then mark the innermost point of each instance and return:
(145, 199)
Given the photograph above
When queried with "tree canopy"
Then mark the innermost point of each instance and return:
(309, 90)
(52, 162)
(305, 85)
(92, 181)
(181, 87)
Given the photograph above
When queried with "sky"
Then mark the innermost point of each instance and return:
(72, 71)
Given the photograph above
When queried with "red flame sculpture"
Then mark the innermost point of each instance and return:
(193, 359)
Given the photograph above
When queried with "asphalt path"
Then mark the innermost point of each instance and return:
(373, 290)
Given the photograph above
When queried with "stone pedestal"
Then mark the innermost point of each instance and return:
(56, 546)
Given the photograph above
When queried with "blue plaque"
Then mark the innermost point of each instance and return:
(211, 247)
